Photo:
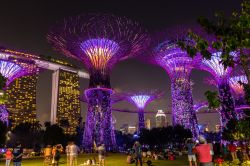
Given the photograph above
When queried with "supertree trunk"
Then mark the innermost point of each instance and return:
(113, 140)
(98, 126)
(182, 106)
(141, 121)
(227, 103)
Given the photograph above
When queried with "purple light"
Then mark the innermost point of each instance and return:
(178, 65)
(9, 69)
(140, 100)
(99, 41)
(99, 51)
(215, 67)
(4, 115)
(235, 84)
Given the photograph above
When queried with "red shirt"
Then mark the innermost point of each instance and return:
(8, 155)
(232, 148)
(203, 152)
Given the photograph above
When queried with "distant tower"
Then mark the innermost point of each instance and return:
(65, 103)
(178, 64)
(221, 76)
(160, 119)
(99, 41)
(140, 100)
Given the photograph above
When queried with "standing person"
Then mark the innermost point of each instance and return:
(191, 155)
(101, 153)
(243, 148)
(67, 153)
(203, 152)
(56, 156)
(232, 149)
(137, 149)
(73, 153)
(17, 154)
(8, 156)
(47, 154)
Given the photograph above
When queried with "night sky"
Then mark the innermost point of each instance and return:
(24, 25)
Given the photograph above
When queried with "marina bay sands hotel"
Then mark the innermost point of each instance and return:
(65, 102)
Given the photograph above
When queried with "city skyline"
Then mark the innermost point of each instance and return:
(138, 74)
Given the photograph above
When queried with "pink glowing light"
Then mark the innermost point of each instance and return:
(140, 100)
(235, 84)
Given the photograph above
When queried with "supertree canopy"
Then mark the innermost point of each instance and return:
(140, 100)
(236, 84)
(178, 65)
(221, 76)
(99, 41)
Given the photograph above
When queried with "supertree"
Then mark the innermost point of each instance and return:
(178, 65)
(236, 84)
(99, 41)
(10, 69)
(141, 100)
(221, 77)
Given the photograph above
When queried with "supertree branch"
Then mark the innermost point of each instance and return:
(99, 41)
(236, 84)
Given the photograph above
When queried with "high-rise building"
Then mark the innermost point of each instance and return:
(148, 124)
(65, 105)
(21, 101)
(161, 120)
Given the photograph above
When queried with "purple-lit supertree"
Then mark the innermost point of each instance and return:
(140, 100)
(10, 69)
(235, 83)
(221, 77)
(99, 41)
(178, 65)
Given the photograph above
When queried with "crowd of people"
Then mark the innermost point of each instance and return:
(199, 152)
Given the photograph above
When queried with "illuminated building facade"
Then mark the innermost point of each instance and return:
(21, 102)
(66, 100)
(160, 119)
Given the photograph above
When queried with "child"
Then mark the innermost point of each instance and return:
(8, 156)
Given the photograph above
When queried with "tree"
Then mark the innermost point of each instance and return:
(28, 134)
(3, 132)
(54, 135)
(230, 35)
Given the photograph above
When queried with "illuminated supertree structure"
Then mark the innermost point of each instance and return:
(221, 77)
(235, 83)
(99, 41)
(141, 100)
(178, 65)
(11, 69)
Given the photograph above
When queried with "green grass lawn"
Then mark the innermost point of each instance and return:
(111, 160)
